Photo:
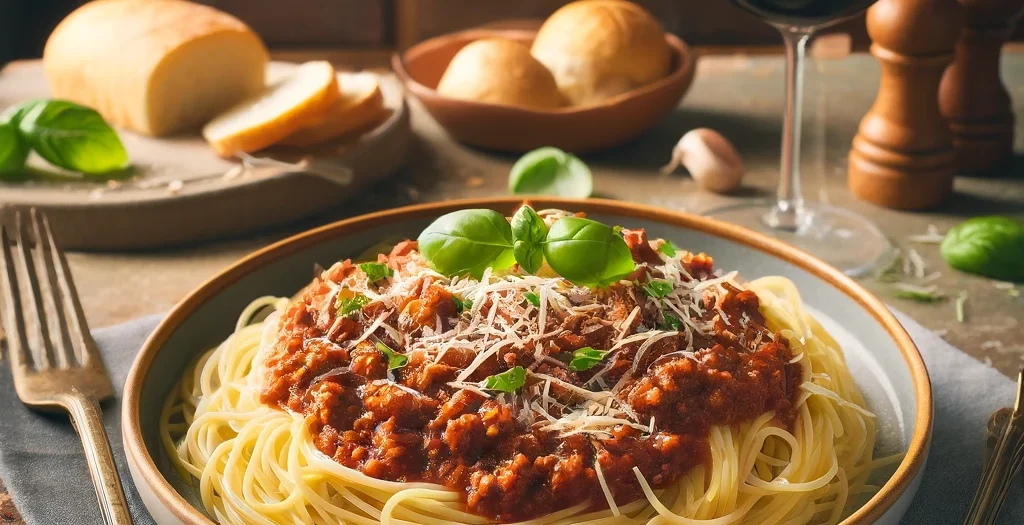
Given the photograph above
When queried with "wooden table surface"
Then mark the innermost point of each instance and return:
(740, 96)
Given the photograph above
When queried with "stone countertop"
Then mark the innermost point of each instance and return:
(741, 97)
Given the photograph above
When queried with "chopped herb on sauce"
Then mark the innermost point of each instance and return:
(395, 360)
(376, 271)
(586, 358)
(658, 288)
(350, 305)
(508, 381)
(668, 249)
(671, 323)
(461, 305)
(533, 298)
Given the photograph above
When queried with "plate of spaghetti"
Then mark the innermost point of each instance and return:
(554, 362)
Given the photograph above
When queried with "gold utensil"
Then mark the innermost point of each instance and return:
(54, 360)
(1002, 459)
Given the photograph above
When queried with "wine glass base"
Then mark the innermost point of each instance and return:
(848, 241)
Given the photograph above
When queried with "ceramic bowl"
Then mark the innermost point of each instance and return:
(884, 361)
(500, 127)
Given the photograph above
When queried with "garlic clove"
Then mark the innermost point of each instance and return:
(710, 158)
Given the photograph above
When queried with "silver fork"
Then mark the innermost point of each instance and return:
(53, 358)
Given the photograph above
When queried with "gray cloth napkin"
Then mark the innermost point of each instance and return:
(42, 464)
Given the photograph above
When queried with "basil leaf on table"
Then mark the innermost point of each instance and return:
(528, 232)
(468, 241)
(72, 137)
(587, 252)
(550, 171)
(992, 246)
(13, 151)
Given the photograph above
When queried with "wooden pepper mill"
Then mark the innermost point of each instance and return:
(902, 156)
(972, 96)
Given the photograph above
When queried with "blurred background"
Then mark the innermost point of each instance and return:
(390, 24)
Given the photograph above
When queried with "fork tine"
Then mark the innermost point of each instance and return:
(17, 345)
(32, 307)
(71, 308)
(50, 286)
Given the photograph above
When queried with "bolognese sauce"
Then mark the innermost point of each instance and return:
(657, 375)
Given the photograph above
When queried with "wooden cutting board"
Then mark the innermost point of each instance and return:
(178, 191)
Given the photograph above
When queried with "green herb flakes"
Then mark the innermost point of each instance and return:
(533, 298)
(658, 288)
(508, 381)
(586, 358)
(395, 359)
(671, 323)
(350, 305)
(376, 271)
(461, 305)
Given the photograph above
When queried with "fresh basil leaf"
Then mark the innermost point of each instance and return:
(376, 271)
(461, 305)
(508, 381)
(528, 233)
(13, 151)
(533, 298)
(658, 288)
(668, 249)
(587, 252)
(992, 246)
(72, 137)
(350, 305)
(468, 242)
(586, 358)
(671, 323)
(550, 171)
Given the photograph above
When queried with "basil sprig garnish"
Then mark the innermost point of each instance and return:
(528, 232)
(992, 246)
(508, 381)
(586, 358)
(395, 359)
(587, 252)
(68, 135)
(583, 251)
(468, 242)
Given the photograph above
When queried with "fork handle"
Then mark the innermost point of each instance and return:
(88, 421)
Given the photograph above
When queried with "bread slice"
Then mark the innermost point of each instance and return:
(361, 105)
(284, 107)
(156, 67)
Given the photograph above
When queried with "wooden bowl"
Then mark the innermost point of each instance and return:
(578, 129)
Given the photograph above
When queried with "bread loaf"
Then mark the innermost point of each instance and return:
(156, 67)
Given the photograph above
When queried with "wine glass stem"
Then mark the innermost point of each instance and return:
(788, 212)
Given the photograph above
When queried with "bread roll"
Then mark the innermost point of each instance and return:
(597, 49)
(156, 67)
(500, 71)
(287, 105)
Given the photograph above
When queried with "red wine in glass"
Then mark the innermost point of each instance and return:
(839, 236)
(804, 13)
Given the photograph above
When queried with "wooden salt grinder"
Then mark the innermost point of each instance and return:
(902, 156)
(972, 97)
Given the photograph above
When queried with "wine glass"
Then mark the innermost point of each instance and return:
(841, 237)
